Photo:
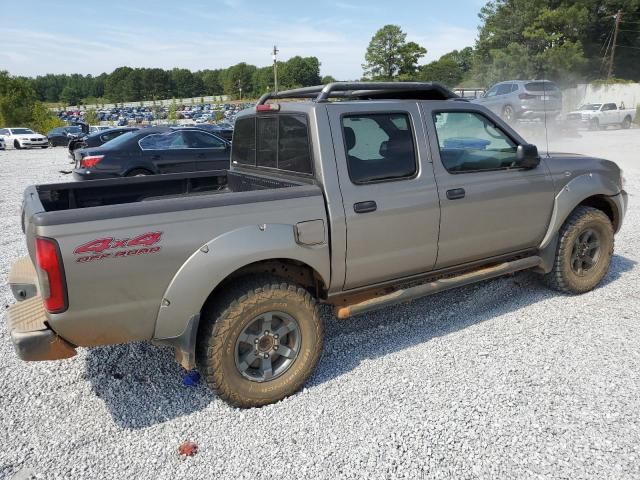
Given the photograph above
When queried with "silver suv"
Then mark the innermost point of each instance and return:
(523, 99)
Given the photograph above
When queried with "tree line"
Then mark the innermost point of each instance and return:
(568, 41)
(126, 84)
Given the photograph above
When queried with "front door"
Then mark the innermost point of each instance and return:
(389, 193)
(208, 151)
(490, 206)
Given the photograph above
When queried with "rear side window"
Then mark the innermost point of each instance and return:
(202, 140)
(164, 141)
(379, 147)
(277, 141)
(541, 87)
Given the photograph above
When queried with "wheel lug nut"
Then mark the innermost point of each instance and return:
(276, 336)
(275, 347)
(266, 355)
(266, 332)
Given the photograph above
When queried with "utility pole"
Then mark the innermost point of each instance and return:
(617, 16)
(275, 67)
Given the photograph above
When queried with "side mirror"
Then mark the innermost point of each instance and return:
(527, 156)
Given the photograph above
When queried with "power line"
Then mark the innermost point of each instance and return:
(629, 46)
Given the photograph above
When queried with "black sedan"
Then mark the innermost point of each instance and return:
(61, 136)
(96, 139)
(151, 151)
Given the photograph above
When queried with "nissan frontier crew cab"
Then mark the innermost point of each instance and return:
(358, 195)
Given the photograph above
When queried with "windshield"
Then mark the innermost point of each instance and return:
(21, 131)
(591, 106)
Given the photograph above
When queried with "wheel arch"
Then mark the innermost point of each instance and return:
(270, 248)
(592, 190)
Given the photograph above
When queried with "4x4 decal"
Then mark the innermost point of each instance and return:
(110, 247)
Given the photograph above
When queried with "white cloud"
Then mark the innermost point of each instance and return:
(443, 39)
(340, 50)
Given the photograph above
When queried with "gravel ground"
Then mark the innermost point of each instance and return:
(504, 379)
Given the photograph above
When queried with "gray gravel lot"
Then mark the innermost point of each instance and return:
(504, 379)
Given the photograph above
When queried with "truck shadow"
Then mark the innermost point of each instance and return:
(141, 384)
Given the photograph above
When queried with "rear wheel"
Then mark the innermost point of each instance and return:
(138, 172)
(261, 342)
(626, 123)
(585, 248)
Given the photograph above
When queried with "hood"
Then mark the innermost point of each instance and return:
(27, 136)
(566, 166)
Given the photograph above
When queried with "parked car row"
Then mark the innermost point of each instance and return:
(124, 115)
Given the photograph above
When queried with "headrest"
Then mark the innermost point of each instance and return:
(350, 137)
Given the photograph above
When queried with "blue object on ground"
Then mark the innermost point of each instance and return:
(191, 379)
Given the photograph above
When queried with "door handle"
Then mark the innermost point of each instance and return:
(365, 207)
(455, 193)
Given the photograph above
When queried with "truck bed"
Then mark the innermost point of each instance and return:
(69, 196)
(61, 203)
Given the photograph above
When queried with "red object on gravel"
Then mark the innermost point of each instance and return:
(188, 449)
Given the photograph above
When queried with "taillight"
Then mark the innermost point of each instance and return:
(49, 262)
(90, 161)
(525, 96)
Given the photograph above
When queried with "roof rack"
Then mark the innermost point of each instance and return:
(366, 91)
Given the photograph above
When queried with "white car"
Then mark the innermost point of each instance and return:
(98, 128)
(23, 138)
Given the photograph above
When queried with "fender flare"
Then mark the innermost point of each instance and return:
(572, 194)
(214, 261)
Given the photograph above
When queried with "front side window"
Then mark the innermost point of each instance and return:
(379, 147)
(470, 142)
(504, 89)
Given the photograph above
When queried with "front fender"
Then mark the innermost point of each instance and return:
(572, 194)
(208, 266)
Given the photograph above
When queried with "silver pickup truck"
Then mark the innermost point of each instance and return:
(360, 196)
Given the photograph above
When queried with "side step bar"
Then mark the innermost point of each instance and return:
(408, 294)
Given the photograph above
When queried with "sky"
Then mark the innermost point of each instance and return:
(91, 37)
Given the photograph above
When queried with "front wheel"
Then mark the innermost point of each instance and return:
(508, 113)
(261, 341)
(585, 248)
(16, 145)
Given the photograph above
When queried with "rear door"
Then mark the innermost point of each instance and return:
(389, 193)
(490, 206)
(207, 151)
(167, 152)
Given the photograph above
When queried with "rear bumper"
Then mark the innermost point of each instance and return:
(81, 174)
(32, 338)
(27, 320)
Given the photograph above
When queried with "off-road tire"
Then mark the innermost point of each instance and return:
(626, 123)
(235, 308)
(562, 277)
